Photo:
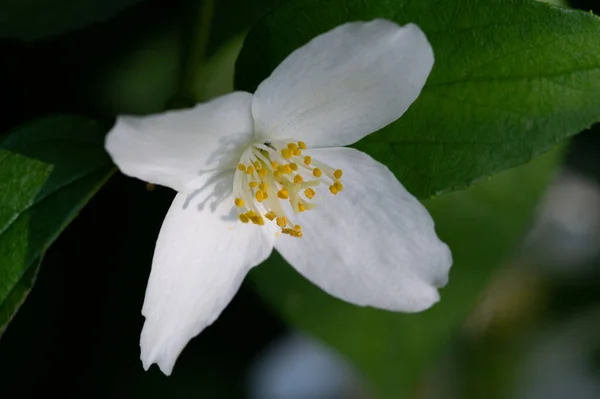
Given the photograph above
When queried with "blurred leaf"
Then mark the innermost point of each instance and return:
(143, 78)
(215, 76)
(562, 3)
(48, 171)
(36, 19)
(512, 79)
(227, 25)
(481, 225)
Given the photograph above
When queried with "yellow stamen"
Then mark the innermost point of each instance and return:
(259, 196)
(275, 171)
(270, 215)
(281, 221)
(292, 232)
(283, 194)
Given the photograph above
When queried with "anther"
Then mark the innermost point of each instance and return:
(317, 172)
(307, 160)
(301, 207)
(253, 184)
(244, 218)
(301, 145)
(310, 193)
(294, 166)
(283, 194)
(337, 174)
(298, 179)
(250, 170)
(286, 153)
(242, 167)
(239, 202)
(270, 215)
(281, 221)
(259, 196)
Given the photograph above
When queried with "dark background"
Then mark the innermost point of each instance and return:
(77, 334)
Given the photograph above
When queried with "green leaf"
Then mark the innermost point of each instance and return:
(482, 226)
(36, 19)
(512, 79)
(48, 171)
(17, 295)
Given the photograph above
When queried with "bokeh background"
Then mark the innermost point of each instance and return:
(531, 328)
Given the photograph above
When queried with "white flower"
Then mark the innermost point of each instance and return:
(278, 154)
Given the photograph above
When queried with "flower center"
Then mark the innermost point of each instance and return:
(275, 175)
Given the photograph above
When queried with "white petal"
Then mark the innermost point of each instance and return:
(182, 149)
(202, 255)
(344, 84)
(373, 244)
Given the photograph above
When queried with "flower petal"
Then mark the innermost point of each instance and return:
(202, 254)
(183, 149)
(344, 84)
(373, 244)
